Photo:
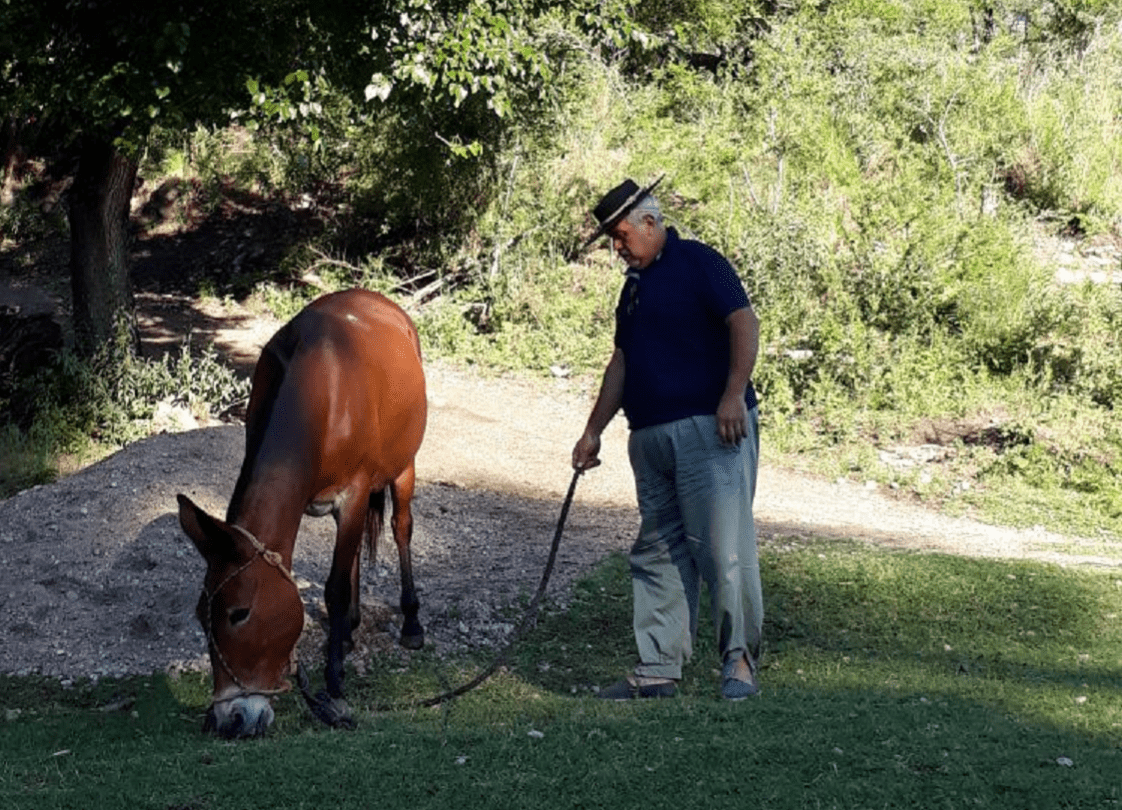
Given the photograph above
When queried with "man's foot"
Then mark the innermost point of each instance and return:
(634, 687)
(738, 679)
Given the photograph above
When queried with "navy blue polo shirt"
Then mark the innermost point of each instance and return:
(670, 325)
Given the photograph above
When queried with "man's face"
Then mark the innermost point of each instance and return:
(638, 245)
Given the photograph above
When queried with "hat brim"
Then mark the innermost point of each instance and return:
(611, 221)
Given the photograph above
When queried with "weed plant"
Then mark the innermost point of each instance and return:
(889, 679)
(88, 407)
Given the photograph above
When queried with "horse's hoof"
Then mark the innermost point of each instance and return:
(413, 641)
(334, 712)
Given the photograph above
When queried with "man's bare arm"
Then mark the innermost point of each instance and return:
(744, 346)
(608, 402)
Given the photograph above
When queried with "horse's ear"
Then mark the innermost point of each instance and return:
(210, 535)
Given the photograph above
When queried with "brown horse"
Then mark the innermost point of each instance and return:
(335, 417)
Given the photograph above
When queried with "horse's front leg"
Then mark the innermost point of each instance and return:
(329, 705)
(340, 592)
(412, 634)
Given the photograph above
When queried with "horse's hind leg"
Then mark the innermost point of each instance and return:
(375, 515)
(401, 492)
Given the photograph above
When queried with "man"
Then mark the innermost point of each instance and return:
(686, 341)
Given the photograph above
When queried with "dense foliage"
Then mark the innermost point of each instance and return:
(885, 174)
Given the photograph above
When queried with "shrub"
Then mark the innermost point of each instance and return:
(1079, 355)
(112, 397)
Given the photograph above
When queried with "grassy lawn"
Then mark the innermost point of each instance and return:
(891, 680)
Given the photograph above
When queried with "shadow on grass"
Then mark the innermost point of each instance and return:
(891, 679)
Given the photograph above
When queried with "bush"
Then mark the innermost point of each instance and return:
(111, 400)
(1079, 355)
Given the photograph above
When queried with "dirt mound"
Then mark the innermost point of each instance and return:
(97, 579)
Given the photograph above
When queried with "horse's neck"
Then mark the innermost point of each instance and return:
(270, 507)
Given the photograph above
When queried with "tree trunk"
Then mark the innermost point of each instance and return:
(99, 267)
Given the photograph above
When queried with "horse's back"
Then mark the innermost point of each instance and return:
(345, 382)
(371, 314)
(361, 321)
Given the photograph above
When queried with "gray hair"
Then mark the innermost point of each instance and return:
(648, 206)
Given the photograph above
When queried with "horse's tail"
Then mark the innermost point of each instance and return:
(375, 518)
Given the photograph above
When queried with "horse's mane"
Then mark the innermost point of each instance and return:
(268, 377)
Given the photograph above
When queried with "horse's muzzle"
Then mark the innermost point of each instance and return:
(240, 717)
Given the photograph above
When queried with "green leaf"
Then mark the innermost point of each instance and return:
(380, 87)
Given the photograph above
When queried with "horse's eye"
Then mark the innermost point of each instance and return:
(238, 616)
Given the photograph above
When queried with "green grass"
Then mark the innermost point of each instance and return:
(890, 680)
(24, 461)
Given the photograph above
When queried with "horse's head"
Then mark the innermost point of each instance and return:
(252, 614)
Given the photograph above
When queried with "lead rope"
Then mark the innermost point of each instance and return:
(528, 620)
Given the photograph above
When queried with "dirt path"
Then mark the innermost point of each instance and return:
(96, 578)
(515, 436)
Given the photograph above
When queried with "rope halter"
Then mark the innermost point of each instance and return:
(276, 561)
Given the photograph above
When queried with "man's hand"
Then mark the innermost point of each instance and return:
(586, 452)
(744, 342)
(732, 419)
